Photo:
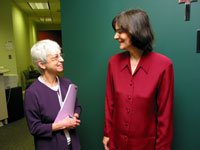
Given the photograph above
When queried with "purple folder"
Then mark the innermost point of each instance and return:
(69, 103)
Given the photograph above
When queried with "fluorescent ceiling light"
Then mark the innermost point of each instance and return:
(46, 19)
(42, 19)
(39, 5)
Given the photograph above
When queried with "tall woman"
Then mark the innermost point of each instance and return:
(139, 89)
(44, 98)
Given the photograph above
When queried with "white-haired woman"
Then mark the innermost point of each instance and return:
(44, 98)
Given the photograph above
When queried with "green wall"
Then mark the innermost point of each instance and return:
(22, 30)
(32, 33)
(17, 28)
(6, 31)
(88, 44)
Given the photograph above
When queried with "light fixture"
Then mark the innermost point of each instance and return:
(46, 19)
(42, 19)
(39, 5)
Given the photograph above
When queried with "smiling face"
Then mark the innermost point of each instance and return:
(54, 63)
(123, 38)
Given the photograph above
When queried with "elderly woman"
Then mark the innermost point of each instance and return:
(44, 98)
(139, 89)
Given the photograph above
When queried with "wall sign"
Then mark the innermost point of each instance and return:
(9, 45)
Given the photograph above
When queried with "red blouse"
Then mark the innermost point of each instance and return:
(139, 107)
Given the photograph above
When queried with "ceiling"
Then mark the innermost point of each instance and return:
(35, 15)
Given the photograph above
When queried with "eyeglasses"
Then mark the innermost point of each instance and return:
(56, 57)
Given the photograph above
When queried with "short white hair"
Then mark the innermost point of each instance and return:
(41, 49)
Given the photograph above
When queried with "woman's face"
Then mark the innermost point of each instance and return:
(123, 38)
(54, 63)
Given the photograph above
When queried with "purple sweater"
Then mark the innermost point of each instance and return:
(41, 108)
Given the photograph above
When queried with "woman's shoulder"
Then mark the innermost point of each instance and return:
(119, 57)
(34, 87)
(158, 62)
(160, 58)
(64, 80)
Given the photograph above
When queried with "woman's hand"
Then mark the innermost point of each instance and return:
(106, 142)
(67, 123)
(70, 122)
(76, 115)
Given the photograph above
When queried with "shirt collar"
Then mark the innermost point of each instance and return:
(144, 62)
(124, 60)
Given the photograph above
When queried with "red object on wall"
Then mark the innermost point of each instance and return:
(54, 35)
(182, 1)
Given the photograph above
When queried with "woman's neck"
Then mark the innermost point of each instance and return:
(50, 79)
(135, 55)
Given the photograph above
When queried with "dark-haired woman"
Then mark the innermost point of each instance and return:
(139, 89)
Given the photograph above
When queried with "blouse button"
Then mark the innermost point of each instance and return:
(128, 110)
(131, 84)
(126, 124)
(129, 97)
